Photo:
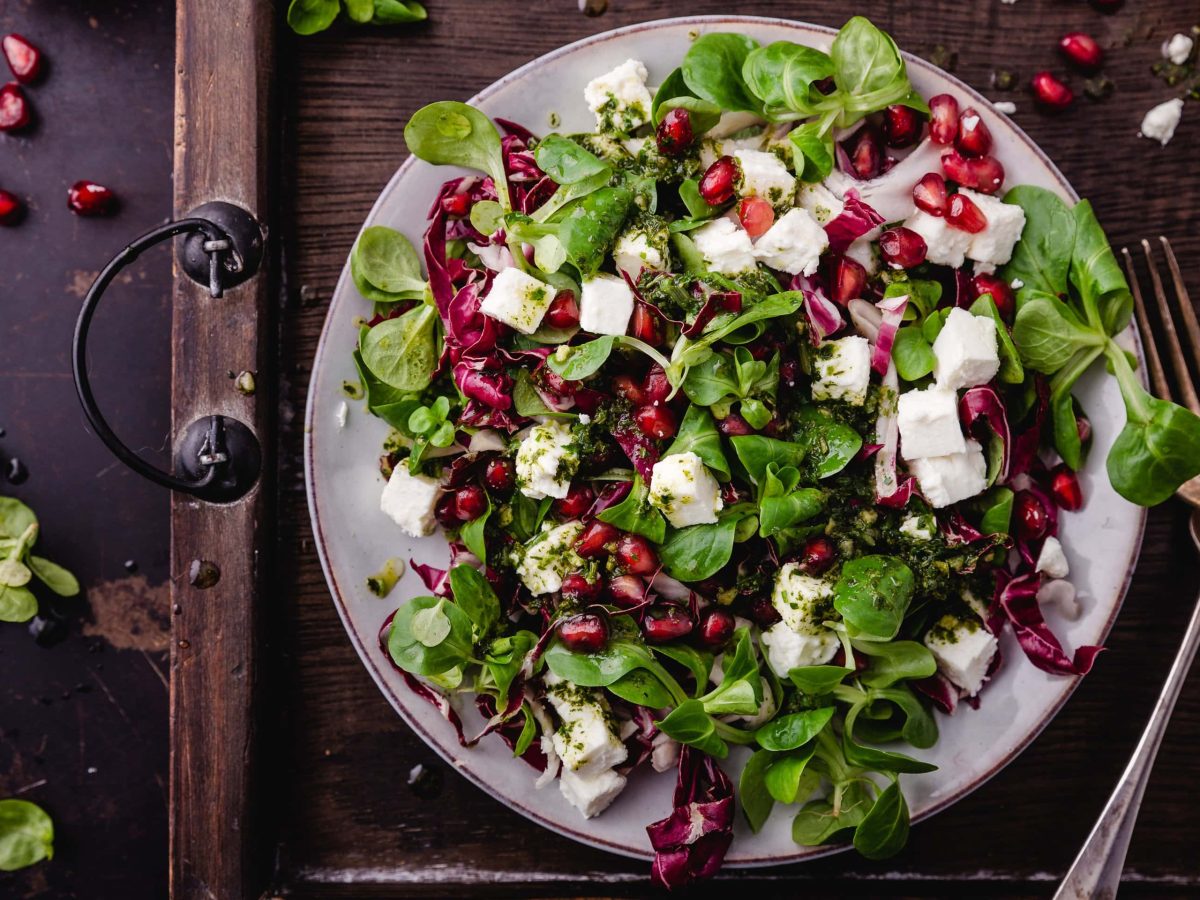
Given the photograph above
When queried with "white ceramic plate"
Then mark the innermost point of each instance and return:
(354, 538)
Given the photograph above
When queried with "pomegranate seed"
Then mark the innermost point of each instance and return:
(86, 198)
(930, 194)
(1001, 291)
(763, 612)
(14, 108)
(456, 204)
(902, 248)
(867, 156)
(849, 280)
(577, 587)
(965, 215)
(1050, 92)
(734, 425)
(716, 187)
(1029, 516)
(716, 627)
(901, 126)
(656, 387)
(1064, 486)
(626, 590)
(668, 624)
(563, 311)
(818, 555)
(645, 325)
(470, 502)
(500, 475)
(1082, 50)
(555, 383)
(731, 495)
(674, 134)
(584, 634)
(656, 421)
(578, 501)
(956, 168)
(626, 386)
(756, 215)
(943, 119)
(974, 138)
(636, 555)
(986, 174)
(446, 511)
(24, 58)
(596, 540)
(11, 208)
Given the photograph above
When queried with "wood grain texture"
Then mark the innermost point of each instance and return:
(352, 826)
(224, 55)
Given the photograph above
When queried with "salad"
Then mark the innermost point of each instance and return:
(748, 419)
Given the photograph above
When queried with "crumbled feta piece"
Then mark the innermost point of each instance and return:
(592, 794)
(664, 752)
(864, 252)
(1052, 560)
(794, 244)
(548, 556)
(408, 500)
(1060, 593)
(945, 244)
(342, 414)
(1005, 222)
(948, 479)
(787, 650)
(1159, 123)
(585, 741)
(633, 146)
(517, 299)
(725, 246)
(605, 305)
(928, 423)
(685, 490)
(964, 650)
(918, 527)
(1005, 106)
(764, 175)
(546, 460)
(634, 250)
(801, 599)
(842, 370)
(712, 149)
(820, 202)
(1178, 49)
(620, 98)
(965, 352)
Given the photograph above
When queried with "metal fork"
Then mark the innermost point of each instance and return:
(1096, 872)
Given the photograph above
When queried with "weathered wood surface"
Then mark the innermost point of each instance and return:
(351, 826)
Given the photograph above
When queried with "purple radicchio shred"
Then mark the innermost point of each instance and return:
(436, 581)
(1018, 601)
(983, 405)
(938, 689)
(892, 314)
(641, 449)
(824, 317)
(715, 303)
(1026, 443)
(610, 495)
(855, 220)
(690, 844)
(510, 731)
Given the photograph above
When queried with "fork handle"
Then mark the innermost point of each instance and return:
(1096, 872)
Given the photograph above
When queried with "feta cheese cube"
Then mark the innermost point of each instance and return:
(517, 299)
(591, 794)
(546, 460)
(686, 492)
(842, 370)
(584, 741)
(801, 599)
(712, 149)
(963, 649)
(764, 175)
(620, 98)
(1052, 560)
(948, 479)
(820, 202)
(725, 246)
(919, 528)
(548, 556)
(605, 305)
(408, 500)
(786, 650)
(965, 352)
(1005, 221)
(794, 244)
(928, 423)
(1178, 49)
(945, 244)
(634, 250)
(1160, 122)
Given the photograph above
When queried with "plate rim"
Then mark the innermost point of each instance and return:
(366, 654)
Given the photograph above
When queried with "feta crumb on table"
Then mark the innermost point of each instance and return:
(517, 299)
(1005, 106)
(620, 98)
(1160, 122)
(1052, 560)
(686, 492)
(965, 352)
(764, 175)
(842, 370)
(963, 649)
(548, 556)
(546, 460)
(945, 244)
(794, 244)
(945, 480)
(408, 500)
(1178, 49)
(928, 423)
(605, 305)
(725, 246)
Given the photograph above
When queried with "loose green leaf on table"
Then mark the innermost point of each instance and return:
(26, 835)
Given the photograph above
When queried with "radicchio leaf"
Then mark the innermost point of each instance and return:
(1018, 600)
(982, 403)
(690, 844)
(824, 317)
(938, 689)
(642, 451)
(892, 312)
(610, 495)
(436, 581)
(510, 731)
(1025, 444)
(483, 379)
(855, 220)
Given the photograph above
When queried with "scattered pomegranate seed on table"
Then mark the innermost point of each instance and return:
(14, 108)
(974, 138)
(563, 311)
(1082, 50)
(756, 215)
(943, 119)
(674, 133)
(23, 58)
(965, 215)
(719, 180)
(86, 198)
(901, 126)
(584, 634)
(930, 195)
(1050, 92)
(1064, 486)
(902, 248)
(11, 208)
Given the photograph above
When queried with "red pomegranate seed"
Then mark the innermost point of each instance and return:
(818, 555)
(500, 475)
(636, 555)
(456, 204)
(763, 612)
(716, 187)
(849, 280)
(716, 627)
(627, 386)
(965, 215)
(756, 215)
(867, 156)
(1064, 486)
(584, 634)
(986, 174)
(577, 587)
(954, 164)
(1082, 50)
(596, 540)
(674, 134)
(902, 248)
(11, 208)
(734, 425)
(668, 624)
(656, 421)
(1029, 516)
(1050, 92)
(626, 590)
(24, 58)
(901, 126)
(470, 502)
(943, 119)
(14, 108)
(930, 194)
(656, 387)
(563, 311)
(578, 501)
(446, 511)
(1001, 291)
(974, 138)
(86, 198)
(645, 325)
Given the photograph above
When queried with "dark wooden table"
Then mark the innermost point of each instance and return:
(349, 824)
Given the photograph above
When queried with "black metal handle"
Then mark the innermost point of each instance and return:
(219, 457)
